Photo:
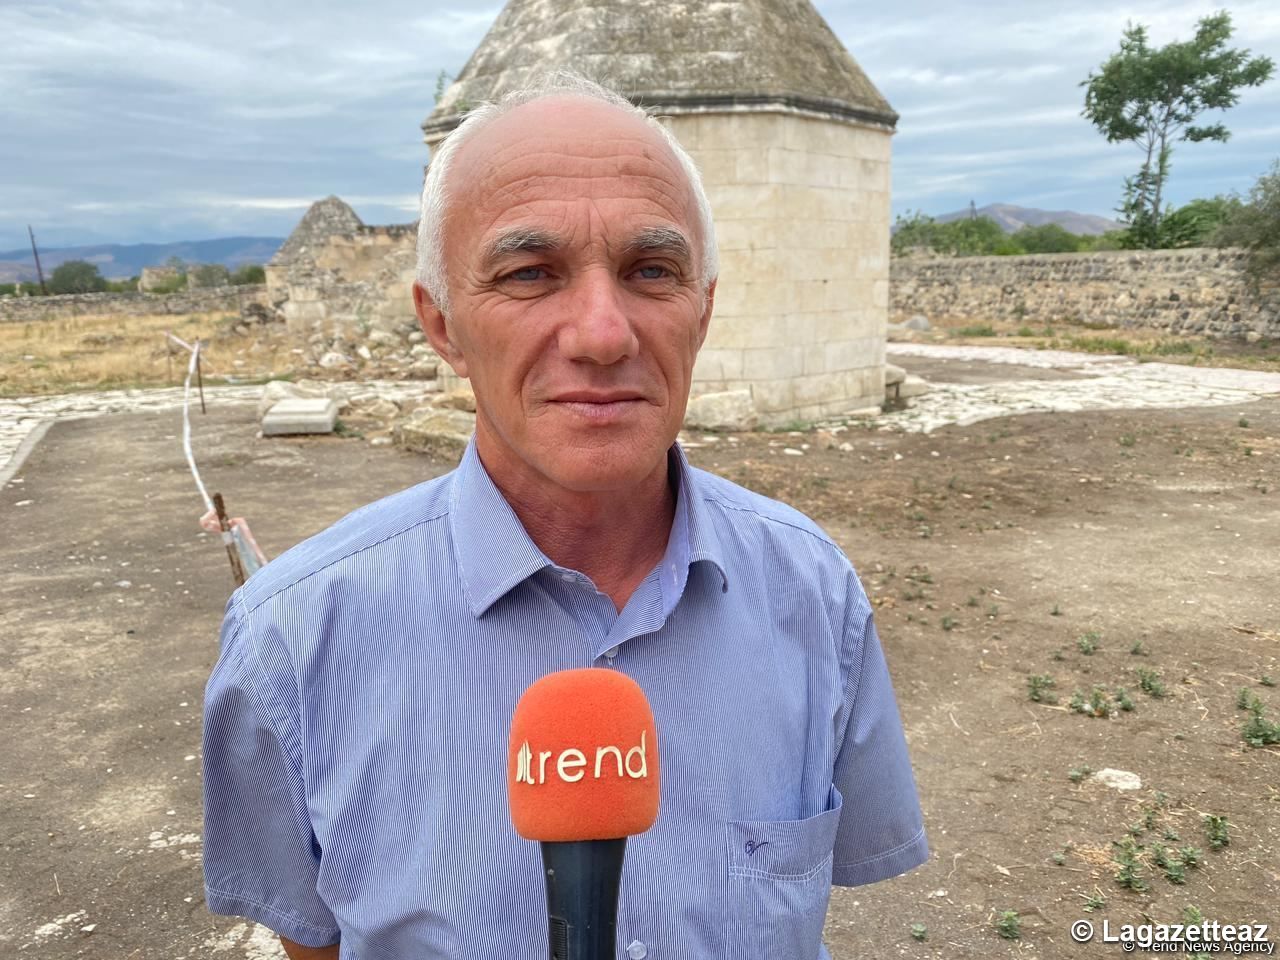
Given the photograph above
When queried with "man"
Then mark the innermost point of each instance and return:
(356, 721)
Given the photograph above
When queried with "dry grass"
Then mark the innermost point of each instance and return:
(115, 352)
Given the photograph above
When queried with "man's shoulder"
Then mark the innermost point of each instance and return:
(736, 508)
(377, 526)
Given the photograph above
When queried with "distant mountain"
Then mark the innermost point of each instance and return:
(1013, 218)
(118, 261)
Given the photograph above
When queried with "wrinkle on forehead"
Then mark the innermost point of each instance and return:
(540, 165)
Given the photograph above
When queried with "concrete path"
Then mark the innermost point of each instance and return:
(21, 417)
(1102, 383)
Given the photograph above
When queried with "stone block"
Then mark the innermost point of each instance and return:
(296, 415)
(771, 363)
(272, 393)
(442, 433)
(460, 398)
(774, 399)
(912, 386)
(893, 374)
(718, 365)
(731, 410)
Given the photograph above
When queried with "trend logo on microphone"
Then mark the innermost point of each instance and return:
(569, 765)
(583, 758)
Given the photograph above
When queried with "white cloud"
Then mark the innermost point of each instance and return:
(142, 118)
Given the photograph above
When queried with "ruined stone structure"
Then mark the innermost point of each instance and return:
(792, 139)
(336, 277)
(1180, 291)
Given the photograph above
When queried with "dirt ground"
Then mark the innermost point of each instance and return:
(993, 553)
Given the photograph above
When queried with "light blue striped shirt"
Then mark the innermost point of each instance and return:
(356, 729)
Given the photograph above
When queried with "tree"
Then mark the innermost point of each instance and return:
(208, 275)
(1255, 226)
(1153, 97)
(1047, 238)
(76, 276)
(247, 274)
(1193, 224)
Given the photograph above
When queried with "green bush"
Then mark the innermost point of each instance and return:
(1047, 238)
(76, 276)
(247, 274)
(1255, 227)
(970, 237)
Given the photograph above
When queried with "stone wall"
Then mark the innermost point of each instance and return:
(212, 300)
(1178, 291)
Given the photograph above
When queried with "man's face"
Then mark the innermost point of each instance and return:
(573, 252)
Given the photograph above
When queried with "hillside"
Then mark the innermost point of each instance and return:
(118, 261)
(1013, 218)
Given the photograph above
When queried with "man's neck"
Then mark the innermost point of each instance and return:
(615, 537)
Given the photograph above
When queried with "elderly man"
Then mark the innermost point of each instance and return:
(356, 721)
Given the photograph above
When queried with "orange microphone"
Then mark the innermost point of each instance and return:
(582, 776)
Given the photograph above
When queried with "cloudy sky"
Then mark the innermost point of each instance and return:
(156, 120)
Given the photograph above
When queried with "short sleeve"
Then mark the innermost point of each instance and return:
(261, 859)
(881, 832)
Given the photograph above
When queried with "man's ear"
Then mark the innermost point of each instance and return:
(704, 322)
(436, 328)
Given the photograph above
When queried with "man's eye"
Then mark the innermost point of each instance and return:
(652, 273)
(527, 274)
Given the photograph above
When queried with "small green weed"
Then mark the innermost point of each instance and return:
(1056, 611)
(1088, 643)
(1094, 901)
(1125, 857)
(1009, 924)
(1258, 731)
(978, 330)
(1123, 700)
(1128, 440)
(1139, 649)
(1038, 687)
(1097, 705)
(1076, 774)
(1151, 683)
(1267, 680)
(948, 623)
(1218, 829)
(919, 932)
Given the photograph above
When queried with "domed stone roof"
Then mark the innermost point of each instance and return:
(322, 220)
(672, 57)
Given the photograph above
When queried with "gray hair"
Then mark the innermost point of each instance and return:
(435, 191)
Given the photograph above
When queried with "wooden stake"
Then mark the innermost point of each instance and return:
(237, 568)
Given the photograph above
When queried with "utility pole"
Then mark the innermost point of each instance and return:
(36, 253)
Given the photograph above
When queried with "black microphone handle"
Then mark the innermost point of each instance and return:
(583, 877)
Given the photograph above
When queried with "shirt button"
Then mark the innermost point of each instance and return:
(637, 950)
(609, 655)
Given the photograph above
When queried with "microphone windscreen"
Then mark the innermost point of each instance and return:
(583, 759)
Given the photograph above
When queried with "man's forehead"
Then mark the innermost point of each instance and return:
(559, 148)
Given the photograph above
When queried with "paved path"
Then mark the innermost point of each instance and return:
(1106, 383)
(20, 417)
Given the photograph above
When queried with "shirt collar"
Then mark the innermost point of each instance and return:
(494, 552)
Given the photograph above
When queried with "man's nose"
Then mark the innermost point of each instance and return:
(598, 329)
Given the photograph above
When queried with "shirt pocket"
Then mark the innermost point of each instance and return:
(780, 883)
